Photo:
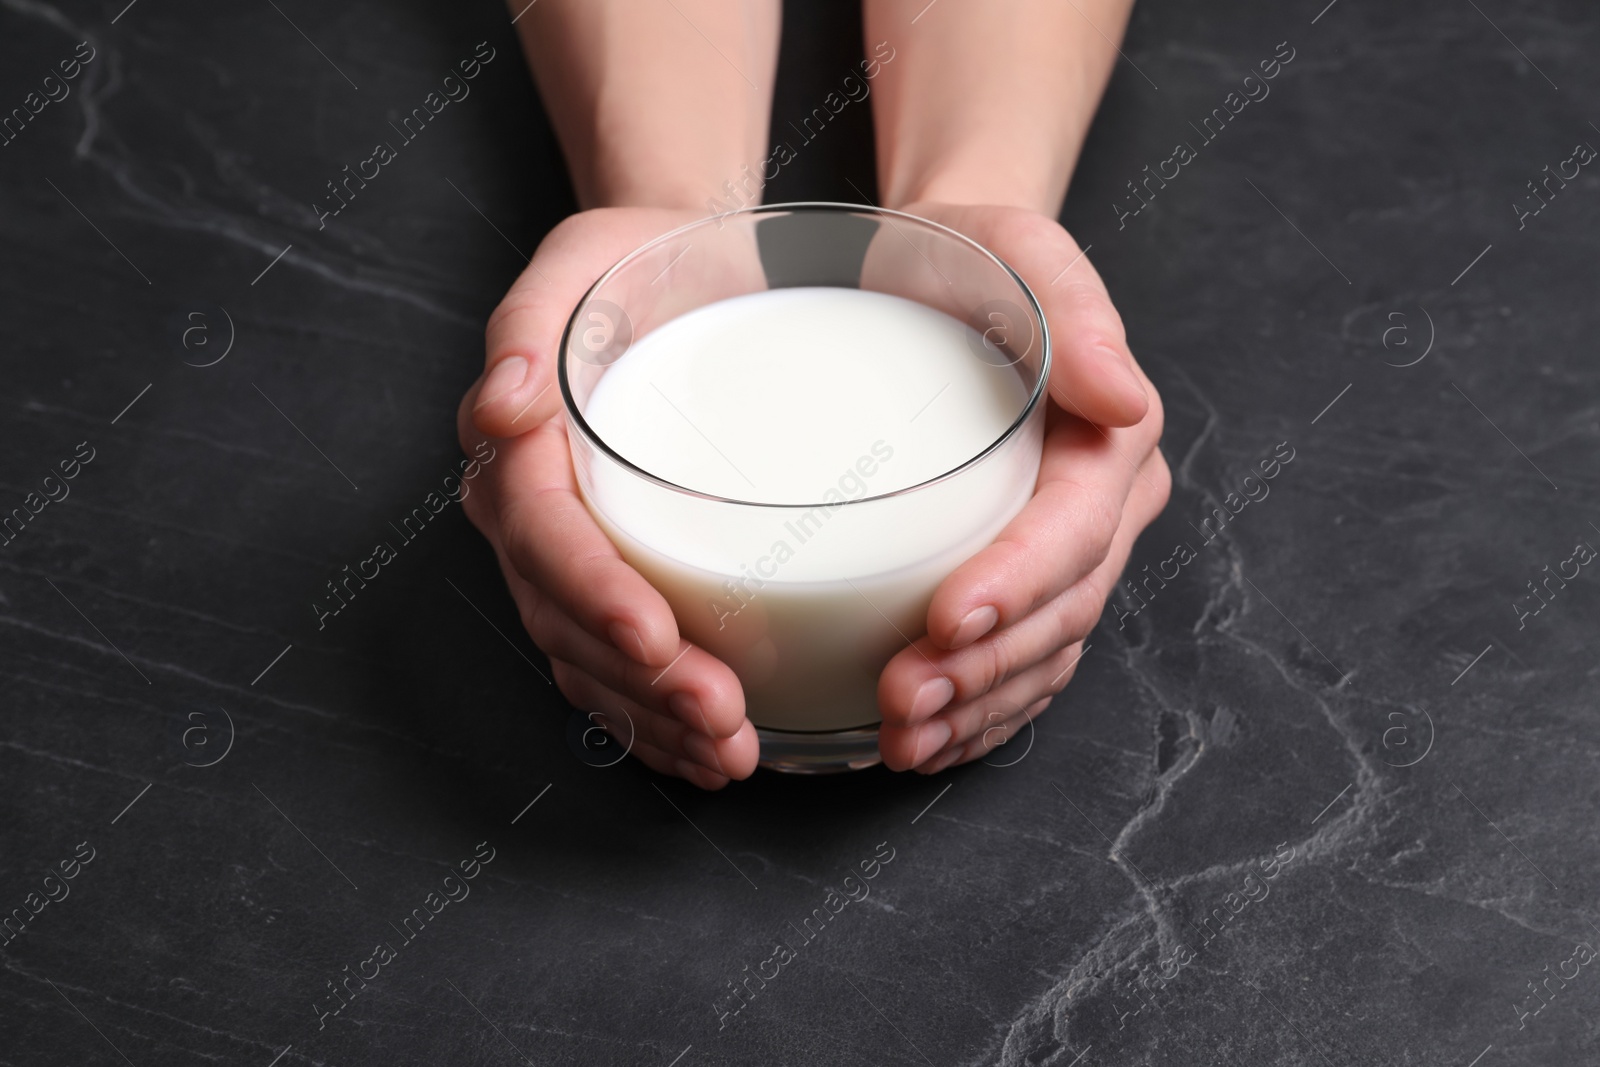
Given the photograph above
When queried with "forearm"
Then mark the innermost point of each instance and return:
(989, 102)
(656, 102)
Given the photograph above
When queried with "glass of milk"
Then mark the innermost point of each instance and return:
(795, 421)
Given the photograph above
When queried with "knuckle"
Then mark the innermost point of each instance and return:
(1096, 591)
(508, 308)
(545, 625)
(596, 583)
(1099, 517)
(517, 310)
(1087, 301)
(990, 666)
(719, 689)
(1077, 612)
(1015, 226)
(1018, 562)
(1093, 316)
(515, 536)
(1000, 659)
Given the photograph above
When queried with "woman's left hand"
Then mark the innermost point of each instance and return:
(1006, 629)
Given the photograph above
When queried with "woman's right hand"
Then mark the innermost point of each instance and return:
(612, 640)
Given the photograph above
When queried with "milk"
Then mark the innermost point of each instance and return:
(794, 407)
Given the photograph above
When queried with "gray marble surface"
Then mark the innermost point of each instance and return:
(1326, 797)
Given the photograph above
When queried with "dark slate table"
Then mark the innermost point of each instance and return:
(1323, 795)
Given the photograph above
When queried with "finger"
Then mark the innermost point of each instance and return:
(906, 748)
(1062, 534)
(664, 762)
(641, 730)
(987, 715)
(651, 733)
(923, 679)
(554, 543)
(908, 743)
(516, 391)
(1092, 372)
(1015, 730)
(697, 690)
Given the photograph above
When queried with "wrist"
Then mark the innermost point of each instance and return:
(639, 172)
(982, 163)
(679, 171)
(673, 192)
(963, 185)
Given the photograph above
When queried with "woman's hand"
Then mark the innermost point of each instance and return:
(613, 644)
(1006, 629)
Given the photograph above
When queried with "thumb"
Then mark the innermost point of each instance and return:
(1093, 374)
(517, 389)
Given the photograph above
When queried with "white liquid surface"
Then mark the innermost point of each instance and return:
(814, 397)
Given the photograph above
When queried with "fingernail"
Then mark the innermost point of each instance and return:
(932, 695)
(702, 750)
(627, 641)
(506, 376)
(688, 711)
(978, 622)
(937, 765)
(1115, 365)
(930, 739)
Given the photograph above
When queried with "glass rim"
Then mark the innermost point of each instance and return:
(575, 417)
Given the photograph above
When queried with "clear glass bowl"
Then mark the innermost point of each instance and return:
(809, 644)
